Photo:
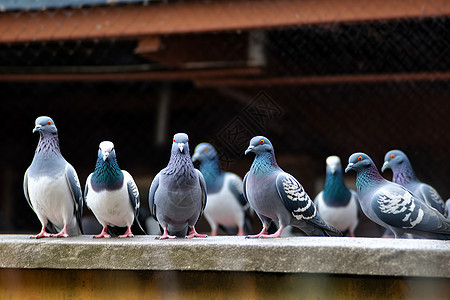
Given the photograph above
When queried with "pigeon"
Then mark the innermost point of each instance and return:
(111, 194)
(392, 205)
(226, 203)
(277, 196)
(51, 186)
(177, 195)
(337, 204)
(403, 174)
(447, 204)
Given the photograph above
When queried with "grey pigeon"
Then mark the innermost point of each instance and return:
(277, 196)
(51, 186)
(177, 195)
(112, 194)
(337, 204)
(447, 204)
(404, 175)
(226, 204)
(392, 205)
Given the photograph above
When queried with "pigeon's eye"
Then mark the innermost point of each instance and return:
(187, 140)
(49, 122)
(206, 150)
(261, 142)
(174, 140)
(392, 155)
(360, 158)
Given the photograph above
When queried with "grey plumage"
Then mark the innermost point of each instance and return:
(404, 175)
(277, 196)
(392, 205)
(177, 194)
(51, 186)
(112, 194)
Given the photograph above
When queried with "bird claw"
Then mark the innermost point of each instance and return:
(254, 236)
(41, 235)
(126, 235)
(61, 234)
(165, 236)
(193, 234)
(102, 235)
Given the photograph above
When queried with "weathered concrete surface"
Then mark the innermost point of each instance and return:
(359, 256)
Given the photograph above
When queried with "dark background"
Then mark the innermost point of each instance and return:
(306, 122)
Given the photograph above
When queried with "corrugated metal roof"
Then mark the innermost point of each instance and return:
(9, 5)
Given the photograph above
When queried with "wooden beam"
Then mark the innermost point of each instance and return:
(135, 76)
(330, 79)
(132, 21)
(148, 44)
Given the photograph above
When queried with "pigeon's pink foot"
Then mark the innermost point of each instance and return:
(41, 234)
(240, 232)
(165, 236)
(127, 233)
(103, 234)
(263, 232)
(62, 233)
(352, 234)
(273, 235)
(213, 233)
(193, 234)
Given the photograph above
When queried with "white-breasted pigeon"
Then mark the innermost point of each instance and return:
(112, 195)
(51, 186)
(337, 204)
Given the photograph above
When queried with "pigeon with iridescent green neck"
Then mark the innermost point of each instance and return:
(393, 206)
(337, 204)
(112, 195)
(277, 196)
(404, 175)
(51, 186)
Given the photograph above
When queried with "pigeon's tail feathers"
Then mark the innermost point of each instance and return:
(136, 229)
(52, 228)
(309, 228)
(329, 229)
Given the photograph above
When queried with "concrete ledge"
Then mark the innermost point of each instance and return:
(357, 256)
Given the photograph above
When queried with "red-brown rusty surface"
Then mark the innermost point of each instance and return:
(186, 17)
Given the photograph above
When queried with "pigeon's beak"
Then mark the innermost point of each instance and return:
(333, 169)
(181, 146)
(105, 155)
(249, 149)
(195, 157)
(349, 167)
(37, 128)
(385, 166)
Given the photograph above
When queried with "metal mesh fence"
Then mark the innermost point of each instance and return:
(315, 89)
